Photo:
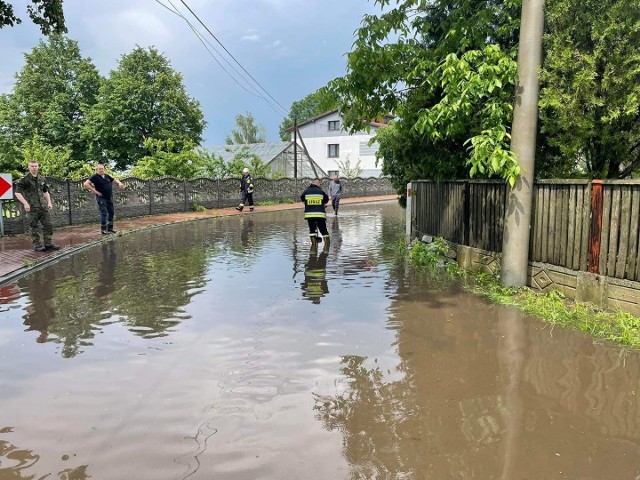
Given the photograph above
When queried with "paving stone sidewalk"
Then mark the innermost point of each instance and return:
(17, 255)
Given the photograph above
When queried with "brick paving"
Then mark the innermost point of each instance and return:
(17, 255)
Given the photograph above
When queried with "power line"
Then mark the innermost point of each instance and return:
(229, 53)
(202, 40)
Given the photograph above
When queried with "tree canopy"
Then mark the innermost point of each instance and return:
(447, 71)
(590, 79)
(52, 96)
(47, 14)
(143, 98)
(246, 131)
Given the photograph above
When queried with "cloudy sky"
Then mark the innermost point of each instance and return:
(291, 47)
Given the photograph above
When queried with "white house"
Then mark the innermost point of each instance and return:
(333, 148)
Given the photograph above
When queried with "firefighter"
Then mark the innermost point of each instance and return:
(246, 190)
(315, 202)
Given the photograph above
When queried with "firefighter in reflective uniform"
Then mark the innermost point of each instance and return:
(315, 202)
(315, 285)
(246, 190)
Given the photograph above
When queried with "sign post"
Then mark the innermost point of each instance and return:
(6, 193)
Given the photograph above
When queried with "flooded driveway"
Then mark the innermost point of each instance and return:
(228, 349)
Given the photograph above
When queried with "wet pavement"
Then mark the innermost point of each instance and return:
(229, 348)
(17, 255)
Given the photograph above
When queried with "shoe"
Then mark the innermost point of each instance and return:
(111, 230)
(39, 248)
(105, 232)
(239, 209)
(51, 246)
(251, 209)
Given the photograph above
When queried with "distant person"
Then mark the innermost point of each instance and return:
(315, 202)
(335, 192)
(33, 193)
(100, 183)
(246, 190)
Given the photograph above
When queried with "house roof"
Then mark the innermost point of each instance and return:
(331, 112)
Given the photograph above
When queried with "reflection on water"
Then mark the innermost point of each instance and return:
(315, 285)
(15, 463)
(230, 348)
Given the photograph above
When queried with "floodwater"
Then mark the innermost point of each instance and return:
(227, 349)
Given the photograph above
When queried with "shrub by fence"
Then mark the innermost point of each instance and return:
(578, 224)
(74, 205)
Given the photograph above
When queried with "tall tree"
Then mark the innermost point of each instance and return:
(316, 103)
(246, 131)
(446, 69)
(51, 98)
(144, 98)
(590, 96)
(47, 14)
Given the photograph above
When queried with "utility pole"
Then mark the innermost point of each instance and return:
(295, 147)
(517, 221)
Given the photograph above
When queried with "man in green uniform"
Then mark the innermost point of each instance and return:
(33, 193)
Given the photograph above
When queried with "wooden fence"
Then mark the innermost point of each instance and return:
(74, 205)
(578, 224)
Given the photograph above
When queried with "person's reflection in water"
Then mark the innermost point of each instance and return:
(106, 271)
(247, 235)
(41, 312)
(315, 284)
(336, 234)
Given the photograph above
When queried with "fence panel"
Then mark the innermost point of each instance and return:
(472, 213)
(619, 247)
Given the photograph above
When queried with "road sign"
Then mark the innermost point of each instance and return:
(6, 186)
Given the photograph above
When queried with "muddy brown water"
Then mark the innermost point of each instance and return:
(227, 349)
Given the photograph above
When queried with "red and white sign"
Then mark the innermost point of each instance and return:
(6, 186)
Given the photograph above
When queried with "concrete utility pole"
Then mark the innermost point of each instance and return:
(517, 221)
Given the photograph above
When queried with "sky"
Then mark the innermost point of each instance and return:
(290, 47)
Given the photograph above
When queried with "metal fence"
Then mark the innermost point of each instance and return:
(74, 205)
(578, 224)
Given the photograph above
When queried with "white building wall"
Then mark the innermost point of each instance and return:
(317, 137)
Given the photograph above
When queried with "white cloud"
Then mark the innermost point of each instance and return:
(250, 38)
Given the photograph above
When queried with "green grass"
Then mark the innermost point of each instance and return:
(552, 307)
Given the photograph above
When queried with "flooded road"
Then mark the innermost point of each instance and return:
(228, 349)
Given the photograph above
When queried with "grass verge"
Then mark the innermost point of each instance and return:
(553, 307)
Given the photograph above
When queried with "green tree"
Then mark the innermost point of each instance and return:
(54, 161)
(215, 166)
(447, 71)
(316, 103)
(165, 161)
(47, 14)
(142, 99)
(51, 98)
(590, 86)
(247, 131)
(244, 158)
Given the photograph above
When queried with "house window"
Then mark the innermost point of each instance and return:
(334, 150)
(334, 125)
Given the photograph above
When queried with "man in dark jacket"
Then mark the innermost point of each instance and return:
(100, 184)
(33, 193)
(315, 201)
